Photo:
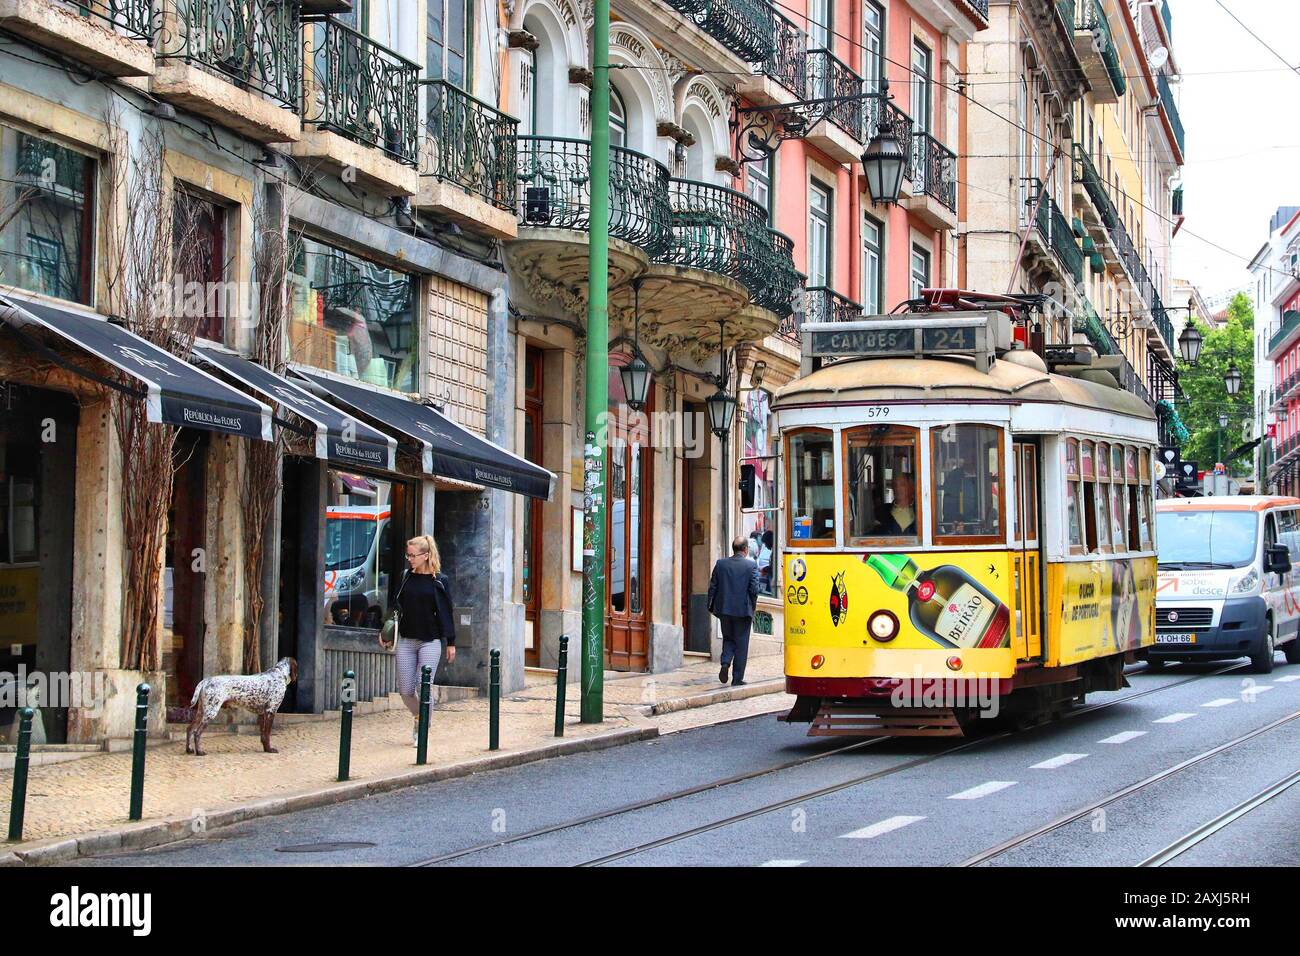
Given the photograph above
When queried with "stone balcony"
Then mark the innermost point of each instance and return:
(112, 36)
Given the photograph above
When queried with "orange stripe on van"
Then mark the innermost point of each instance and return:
(1224, 504)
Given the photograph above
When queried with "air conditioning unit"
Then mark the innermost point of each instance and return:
(537, 204)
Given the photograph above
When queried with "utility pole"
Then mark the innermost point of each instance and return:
(592, 706)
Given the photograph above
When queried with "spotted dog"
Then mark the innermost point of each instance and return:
(261, 693)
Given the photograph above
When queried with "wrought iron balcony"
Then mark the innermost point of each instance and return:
(554, 176)
(360, 89)
(827, 305)
(980, 6)
(788, 61)
(745, 27)
(1171, 110)
(716, 229)
(1090, 17)
(1283, 330)
(470, 144)
(255, 44)
(1055, 230)
(1163, 325)
(774, 287)
(1090, 324)
(134, 18)
(934, 169)
(830, 76)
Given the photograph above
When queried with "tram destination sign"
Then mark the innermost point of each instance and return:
(977, 334)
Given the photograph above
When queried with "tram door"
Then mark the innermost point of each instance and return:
(1025, 557)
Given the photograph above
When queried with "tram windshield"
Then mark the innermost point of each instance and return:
(880, 484)
(812, 486)
(1206, 539)
(966, 470)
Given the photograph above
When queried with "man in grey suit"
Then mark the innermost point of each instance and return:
(733, 591)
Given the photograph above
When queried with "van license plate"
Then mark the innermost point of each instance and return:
(1175, 638)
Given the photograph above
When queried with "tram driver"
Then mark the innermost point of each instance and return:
(900, 519)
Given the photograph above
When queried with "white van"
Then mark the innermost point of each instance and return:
(357, 556)
(1225, 587)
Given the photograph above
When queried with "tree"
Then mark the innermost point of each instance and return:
(1230, 344)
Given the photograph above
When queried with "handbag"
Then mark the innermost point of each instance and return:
(390, 634)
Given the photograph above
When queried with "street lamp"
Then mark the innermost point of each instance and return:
(883, 162)
(1232, 380)
(635, 375)
(1189, 344)
(722, 407)
(1223, 419)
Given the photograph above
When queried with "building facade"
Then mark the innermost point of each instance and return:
(1275, 295)
(1074, 196)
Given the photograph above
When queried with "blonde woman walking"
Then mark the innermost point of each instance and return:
(427, 622)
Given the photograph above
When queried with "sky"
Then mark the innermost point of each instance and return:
(1237, 101)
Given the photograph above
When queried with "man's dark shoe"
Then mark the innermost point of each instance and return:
(740, 683)
(723, 674)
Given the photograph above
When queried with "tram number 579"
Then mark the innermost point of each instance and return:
(875, 412)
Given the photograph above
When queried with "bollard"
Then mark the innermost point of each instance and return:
(561, 685)
(494, 702)
(137, 751)
(18, 803)
(426, 694)
(345, 725)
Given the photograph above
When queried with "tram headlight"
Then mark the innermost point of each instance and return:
(1248, 583)
(818, 661)
(883, 625)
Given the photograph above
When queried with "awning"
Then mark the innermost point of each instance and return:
(448, 449)
(176, 392)
(340, 438)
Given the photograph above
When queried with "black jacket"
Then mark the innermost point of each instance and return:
(418, 620)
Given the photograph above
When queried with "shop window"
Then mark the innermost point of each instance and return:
(47, 229)
(966, 472)
(759, 464)
(353, 317)
(880, 485)
(360, 557)
(810, 462)
(1072, 495)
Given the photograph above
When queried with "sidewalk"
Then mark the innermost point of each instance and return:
(80, 806)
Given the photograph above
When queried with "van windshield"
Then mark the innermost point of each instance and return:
(1206, 539)
(347, 542)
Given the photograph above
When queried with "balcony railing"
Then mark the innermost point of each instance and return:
(934, 169)
(788, 61)
(1290, 322)
(361, 89)
(775, 286)
(134, 18)
(827, 305)
(1171, 110)
(254, 43)
(717, 229)
(470, 144)
(555, 190)
(879, 113)
(1090, 324)
(745, 27)
(829, 76)
(981, 7)
(1090, 16)
(1055, 230)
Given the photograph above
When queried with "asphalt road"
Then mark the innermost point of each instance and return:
(887, 802)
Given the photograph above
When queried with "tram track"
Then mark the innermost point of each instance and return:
(1186, 842)
(1206, 830)
(778, 768)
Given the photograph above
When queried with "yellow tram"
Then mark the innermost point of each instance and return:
(967, 533)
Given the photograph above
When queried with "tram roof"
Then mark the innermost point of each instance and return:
(949, 380)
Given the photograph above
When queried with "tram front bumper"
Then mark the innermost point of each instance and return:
(1237, 633)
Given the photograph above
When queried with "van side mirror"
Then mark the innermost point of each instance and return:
(1277, 559)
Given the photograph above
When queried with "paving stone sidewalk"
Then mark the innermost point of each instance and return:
(87, 798)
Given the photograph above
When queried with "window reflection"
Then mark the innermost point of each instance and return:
(812, 486)
(966, 469)
(880, 483)
(352, 316)
(359, 554)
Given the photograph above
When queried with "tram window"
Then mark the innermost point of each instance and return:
(880, 483)
(966, 470)
(1103, 497)
(1118, 520)
(1089, 495)
(1073, 522)
(811, 458)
